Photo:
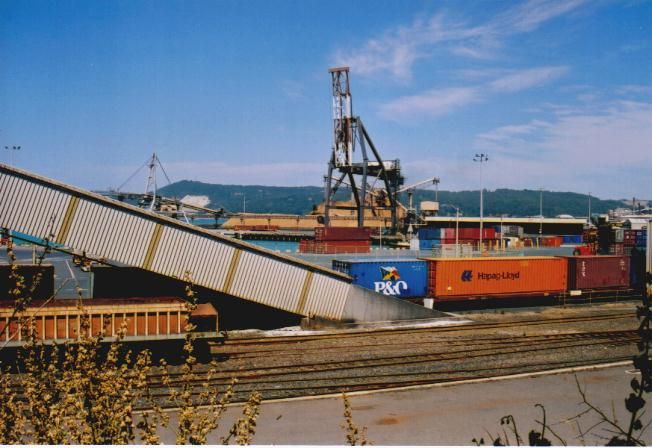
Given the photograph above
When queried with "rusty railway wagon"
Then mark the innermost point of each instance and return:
(142, 319)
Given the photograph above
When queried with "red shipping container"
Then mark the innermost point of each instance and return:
(464, 278)
(474, 233)
(342, 233)
(448, 234)
(598, 271)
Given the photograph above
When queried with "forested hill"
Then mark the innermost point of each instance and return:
(300, 200)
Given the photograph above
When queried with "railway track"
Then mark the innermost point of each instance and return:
(357, 333)
(367, 360)
(310, 365)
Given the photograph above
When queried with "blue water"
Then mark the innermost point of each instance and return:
(280, 246)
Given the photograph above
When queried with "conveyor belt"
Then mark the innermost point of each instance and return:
(107, 230)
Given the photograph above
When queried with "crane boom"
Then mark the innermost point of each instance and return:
(433, 180)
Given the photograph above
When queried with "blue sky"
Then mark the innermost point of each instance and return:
(558, 93)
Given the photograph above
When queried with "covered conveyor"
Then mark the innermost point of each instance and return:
(114, 232)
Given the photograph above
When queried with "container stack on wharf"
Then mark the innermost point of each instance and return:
(332, 240)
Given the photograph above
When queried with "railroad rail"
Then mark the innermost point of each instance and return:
(375, 360)
(99, 228)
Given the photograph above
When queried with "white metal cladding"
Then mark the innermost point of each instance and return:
(30, 208)
(105, 232)
(205, 259)
(326, 297)
(106, 229)
(268, 281)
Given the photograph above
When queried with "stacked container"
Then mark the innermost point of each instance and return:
(465, 279)
(332, 240)
(429, 237)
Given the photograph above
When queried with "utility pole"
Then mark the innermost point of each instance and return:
(481, 158)
(540, 213)
(589, 218)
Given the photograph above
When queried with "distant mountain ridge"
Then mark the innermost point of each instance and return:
(300, 200)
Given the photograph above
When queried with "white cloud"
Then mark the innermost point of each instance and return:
(607, 153)
(437, 102)
(525, 79)
(431, 103)
(529, 15)
(396, 50)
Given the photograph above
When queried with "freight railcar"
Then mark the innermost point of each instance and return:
(143, 319)
(465, 279)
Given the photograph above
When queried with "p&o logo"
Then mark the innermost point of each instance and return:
(467, 276)
(392, 285)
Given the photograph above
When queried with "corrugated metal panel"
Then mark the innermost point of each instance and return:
(106, 233)
(268, 281)
(107, 229)
(326, 297)
(28, 200)
(179, 252)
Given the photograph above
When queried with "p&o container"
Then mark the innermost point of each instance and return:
(472, 278)
(404, 278)
(598, 271)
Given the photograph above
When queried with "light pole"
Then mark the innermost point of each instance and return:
(11, 149)
(540, 213)
(457, 227)
(589, 218)
(481, 158)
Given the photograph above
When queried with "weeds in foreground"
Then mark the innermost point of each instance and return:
(354, 435)
(86, 393)
(612, 431)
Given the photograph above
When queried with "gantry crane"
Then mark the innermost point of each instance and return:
(348, 133)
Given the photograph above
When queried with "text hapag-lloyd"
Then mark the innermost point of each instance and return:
(498, 275)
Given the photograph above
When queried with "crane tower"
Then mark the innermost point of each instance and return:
(348, 134)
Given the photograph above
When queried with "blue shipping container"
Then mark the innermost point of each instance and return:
(403, 278)
(428, 244)
(571, 239)
(428, 233)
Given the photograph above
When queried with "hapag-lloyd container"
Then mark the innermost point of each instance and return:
(598, 271)
(399, 278)
(460, 278)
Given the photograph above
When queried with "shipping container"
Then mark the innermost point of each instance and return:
(550, 241)
(572, 239)
(474, 233)
(45, 288)
(429, 233)
(598, 271)
(428, 244)
(404, 278)
(334, 247)
(342, 233)
(462, 278)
